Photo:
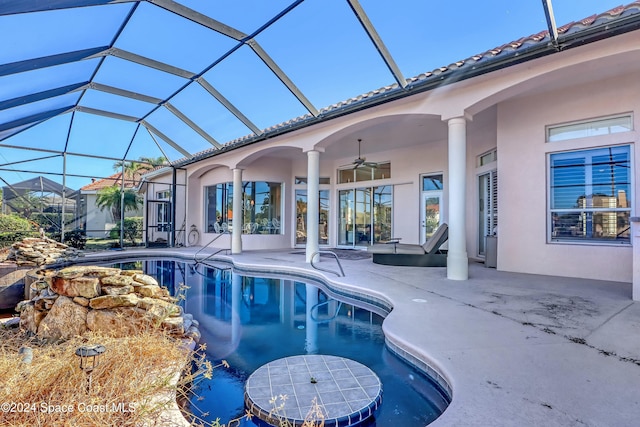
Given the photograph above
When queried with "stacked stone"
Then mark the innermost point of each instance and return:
(37, 251)
(74, 300)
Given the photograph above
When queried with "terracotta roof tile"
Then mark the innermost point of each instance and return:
(112, 180)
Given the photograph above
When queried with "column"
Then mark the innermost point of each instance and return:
(313, 203)
(236, 231)
(457, 261)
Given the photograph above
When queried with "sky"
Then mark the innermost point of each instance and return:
(319, 44)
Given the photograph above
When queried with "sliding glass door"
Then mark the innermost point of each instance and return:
(365, 216)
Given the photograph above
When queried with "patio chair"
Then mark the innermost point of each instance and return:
(429, 254)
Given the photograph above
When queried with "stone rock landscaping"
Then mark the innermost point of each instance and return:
(37, 251)
(71, 301)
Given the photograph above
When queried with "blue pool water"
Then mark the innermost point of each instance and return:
(250, 321)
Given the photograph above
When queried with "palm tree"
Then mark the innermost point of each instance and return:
(153, 161)
(134, 169)
(143, 164)
(112, 198)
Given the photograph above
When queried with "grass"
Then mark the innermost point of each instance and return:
(103, 244)
(133, 385)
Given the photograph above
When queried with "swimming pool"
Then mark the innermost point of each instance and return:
(250, 321)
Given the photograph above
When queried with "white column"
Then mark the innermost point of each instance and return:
(457, 261)
(313, 203)
(236, 232)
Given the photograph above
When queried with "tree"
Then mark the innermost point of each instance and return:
(142, 165)
(133, 170)
(26, 204)
(14, 228)
(111, 198)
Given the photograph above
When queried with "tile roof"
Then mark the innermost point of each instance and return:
(115, 179)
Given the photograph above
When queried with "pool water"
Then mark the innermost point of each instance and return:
(250, 321)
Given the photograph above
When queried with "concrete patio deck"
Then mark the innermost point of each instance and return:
(517, 349)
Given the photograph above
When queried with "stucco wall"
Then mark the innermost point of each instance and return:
(522, 180)
(99, 222)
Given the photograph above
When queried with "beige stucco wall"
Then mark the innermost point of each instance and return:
(99, 222)
(507, 109)
(522, 157)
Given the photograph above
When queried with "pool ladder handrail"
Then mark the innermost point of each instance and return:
(313, 255)
(315, 307)
(195, 256)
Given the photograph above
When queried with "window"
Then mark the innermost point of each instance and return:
(261, 207)
(602, 126)
(432, 183)
(301, 217)
(303, 180)
(589, 195)
(486, 158)
(161, 195)
(364, 173)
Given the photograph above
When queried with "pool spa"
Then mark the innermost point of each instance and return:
(252, 321)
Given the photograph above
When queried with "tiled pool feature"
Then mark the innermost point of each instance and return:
(348, 392)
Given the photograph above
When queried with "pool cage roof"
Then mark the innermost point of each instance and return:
(86, 85)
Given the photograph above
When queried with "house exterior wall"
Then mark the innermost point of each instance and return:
(523, 182)
(507, 110)
(100, 222)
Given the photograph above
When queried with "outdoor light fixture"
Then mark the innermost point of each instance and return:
(89, 359)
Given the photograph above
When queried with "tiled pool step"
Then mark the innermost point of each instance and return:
(347, 392)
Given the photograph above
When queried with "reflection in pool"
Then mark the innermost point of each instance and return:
(250, 321)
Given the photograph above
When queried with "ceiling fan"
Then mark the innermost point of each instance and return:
(361, 161)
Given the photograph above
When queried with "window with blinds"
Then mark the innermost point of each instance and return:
(589, 195)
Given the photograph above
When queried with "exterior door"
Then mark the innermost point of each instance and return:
(346, 231)
(431, 213)
(365, 216)
(488, 208)
(355, 217)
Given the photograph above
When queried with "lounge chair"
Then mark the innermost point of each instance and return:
(427, 255)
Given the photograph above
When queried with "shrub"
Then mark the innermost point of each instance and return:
(76, 238)
(132, 229)
(14, 228)
(50, 221)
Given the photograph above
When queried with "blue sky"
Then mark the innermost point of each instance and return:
(319, 44)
